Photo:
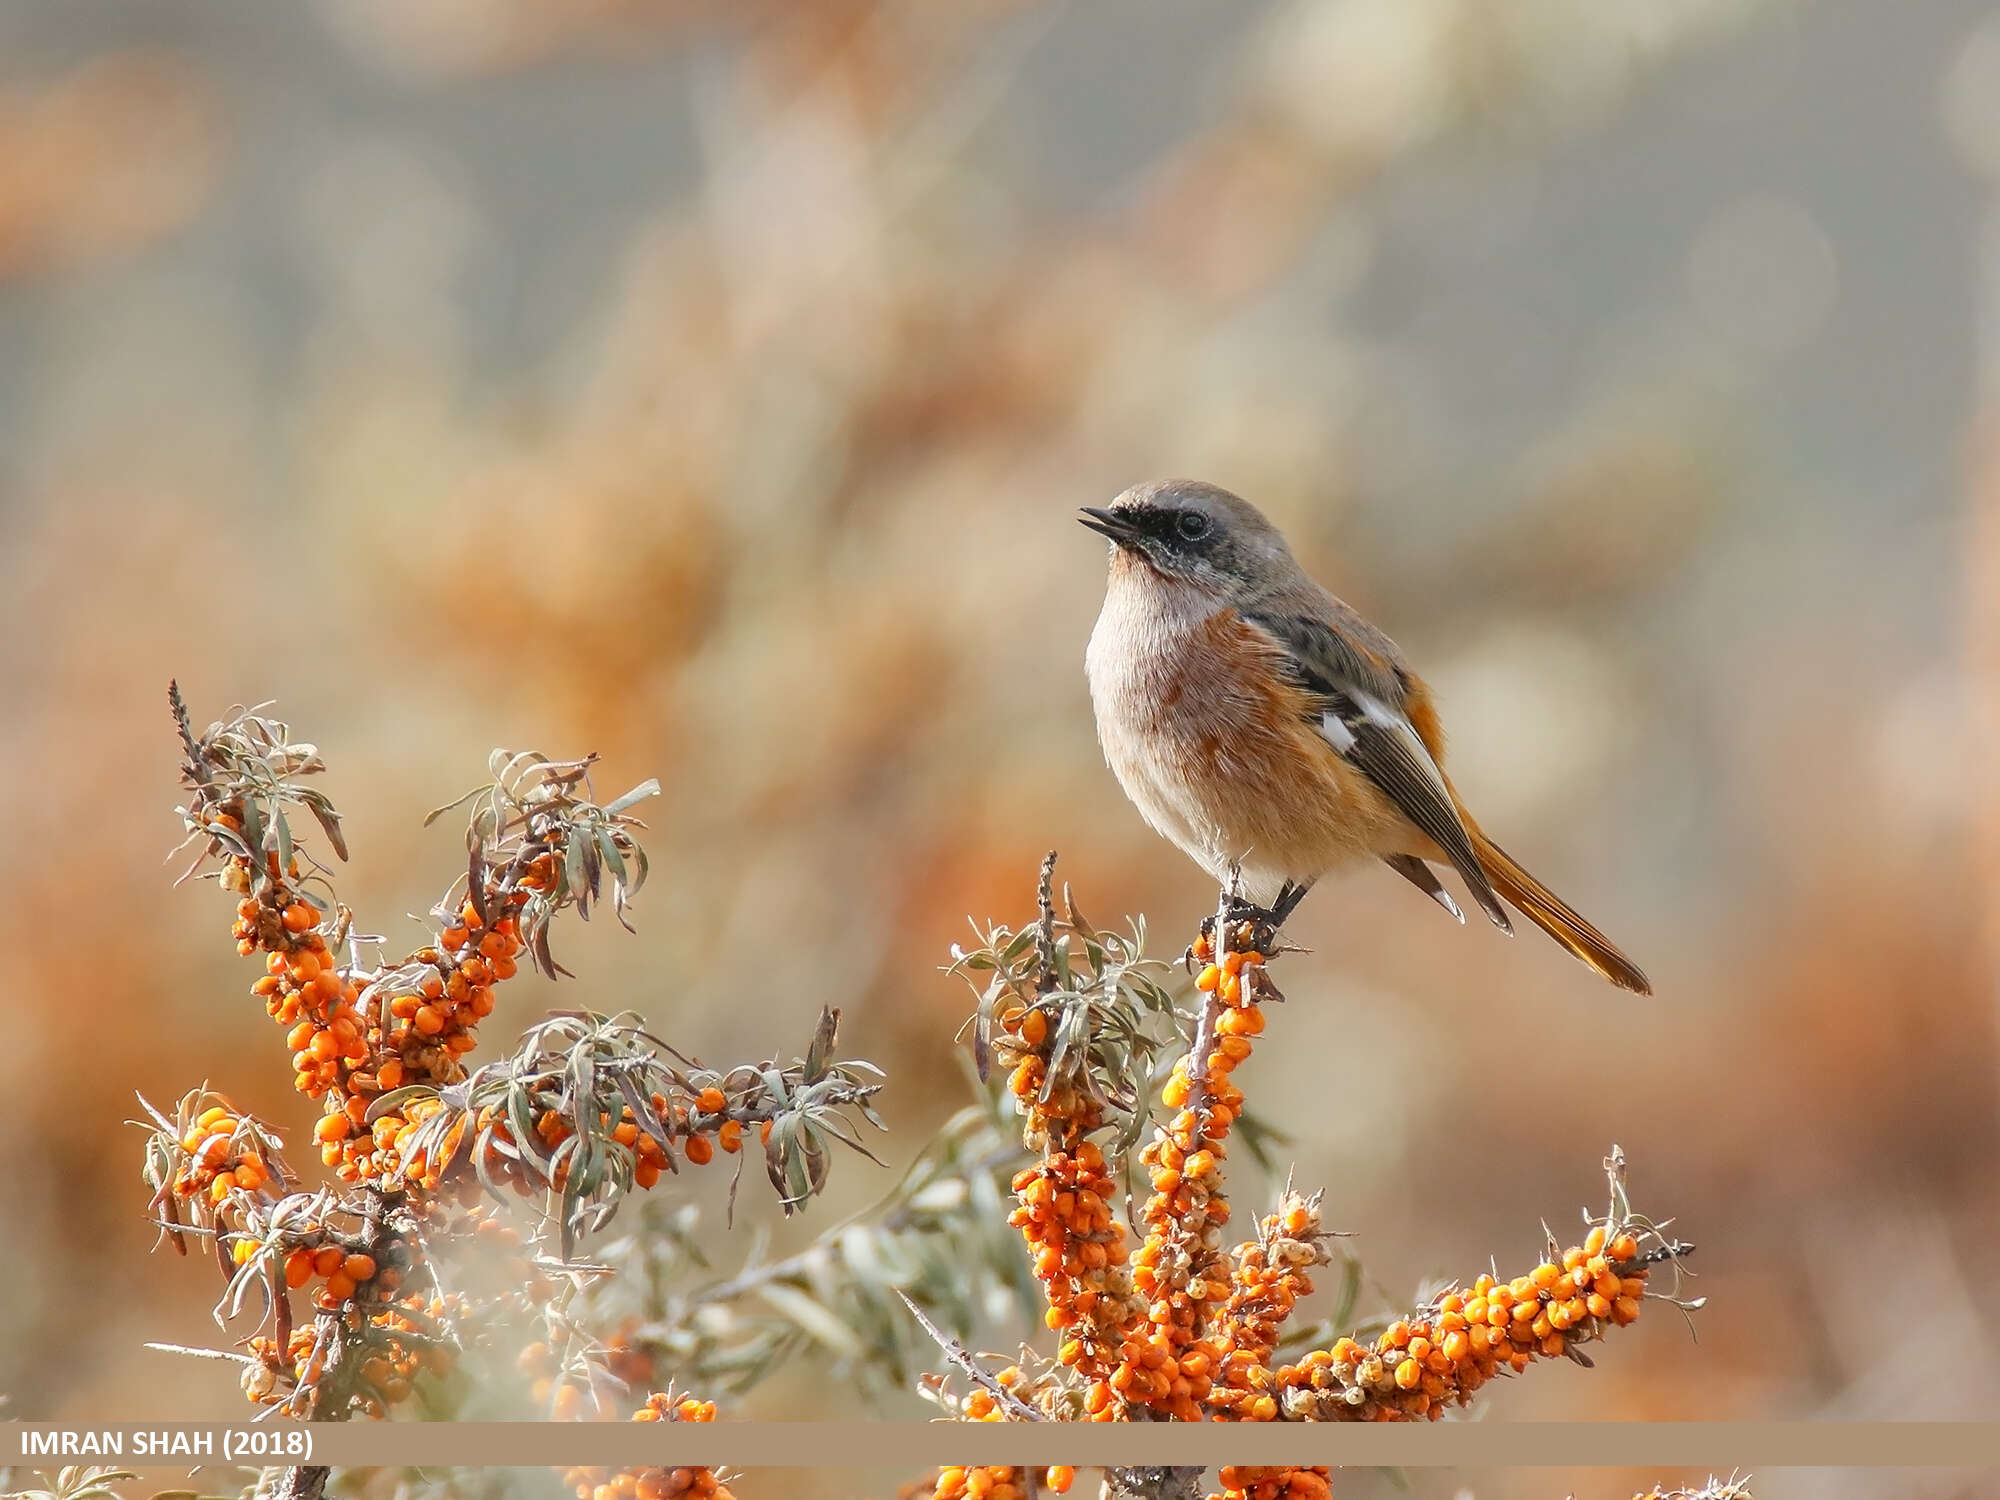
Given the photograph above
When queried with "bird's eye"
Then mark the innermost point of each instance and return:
(1191, 525)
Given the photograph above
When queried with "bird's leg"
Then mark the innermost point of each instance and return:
(1264, 921)
(1288, 901)
(1274, 916)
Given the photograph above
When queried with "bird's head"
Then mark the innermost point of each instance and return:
(1195, 532)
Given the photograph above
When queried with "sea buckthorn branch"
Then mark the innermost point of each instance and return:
(589, 1107)
(939, 1234)
(1268, 1277)
(207, 1162)
(999, 1396)
(536, 847)
(1460, 1338)
(1180, 1266)
(1190, 1332)
(655, 1483)
(243, 773)
(420, 1151)
(536, 844)
(355, 1036)
(1079, 1017)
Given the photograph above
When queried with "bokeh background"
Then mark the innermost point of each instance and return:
(712, 383)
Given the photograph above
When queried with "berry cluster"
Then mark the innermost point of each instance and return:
(342, 1274)
(1063, 1210)
(684, 1483)
(997, 1482)
(388, 1342)
(421, 1021)
(1179, 1265)
(1240, 1482)
(224, 1152)
(1270, 1276)
(430, 1025)
(303, 987)
(1440, 1355)
(1181, 1329)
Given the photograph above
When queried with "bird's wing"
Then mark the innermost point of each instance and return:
(1356, 694)
(1424, 878)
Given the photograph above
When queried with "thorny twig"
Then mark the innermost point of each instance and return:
(960, 1356)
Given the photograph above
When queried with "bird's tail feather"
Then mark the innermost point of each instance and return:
(1556, 917)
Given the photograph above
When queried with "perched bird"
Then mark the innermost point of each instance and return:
(1265, 727)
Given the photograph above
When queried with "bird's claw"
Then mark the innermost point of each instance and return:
(1252, 928)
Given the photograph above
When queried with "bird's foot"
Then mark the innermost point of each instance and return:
(1253, 928)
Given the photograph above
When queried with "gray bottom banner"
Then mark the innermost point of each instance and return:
(755, 1445)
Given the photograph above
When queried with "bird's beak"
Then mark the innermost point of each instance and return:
(1108, 523)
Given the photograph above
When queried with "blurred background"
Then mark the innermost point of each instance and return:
(712, 385)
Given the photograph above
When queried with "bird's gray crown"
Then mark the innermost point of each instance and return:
(1189, 529)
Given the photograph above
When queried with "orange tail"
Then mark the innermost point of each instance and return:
(1556, 916)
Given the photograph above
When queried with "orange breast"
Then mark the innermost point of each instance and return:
(1235, 742)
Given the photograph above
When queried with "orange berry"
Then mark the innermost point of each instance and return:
(711, 1101)
(699, 1150)
(359, 1268)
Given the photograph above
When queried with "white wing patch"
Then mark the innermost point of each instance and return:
(1343, 740)
(1340, 736)
(1405, 731)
